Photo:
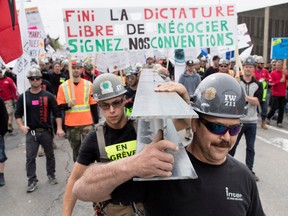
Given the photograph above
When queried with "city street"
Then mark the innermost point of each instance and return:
(270, 166)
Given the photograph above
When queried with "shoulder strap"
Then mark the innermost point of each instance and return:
(100, 129)
(133, 122)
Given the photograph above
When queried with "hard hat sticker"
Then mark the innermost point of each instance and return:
(106, 87)
(230, 100)
(210, 93)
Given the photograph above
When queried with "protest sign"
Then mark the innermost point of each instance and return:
(243, 37)
(36, 33)
(117, 61)
(279, 48)
(122, 29)
(101, 63)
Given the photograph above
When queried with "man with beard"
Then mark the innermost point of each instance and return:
(224, 185)
(224, 67)
(88, 72)
(80, 109)
(253, 95)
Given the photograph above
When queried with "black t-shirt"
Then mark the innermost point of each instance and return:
(4, 118)
(56, 80)
(121, 142)
(38, 109)
(130, 97)
(46, 85)
(210, 71)
(226, 189)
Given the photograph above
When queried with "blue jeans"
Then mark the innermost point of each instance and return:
(263, 106)
(3, 156)
(249, 130)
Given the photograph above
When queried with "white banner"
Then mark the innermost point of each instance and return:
(23, 63)
(93, 30)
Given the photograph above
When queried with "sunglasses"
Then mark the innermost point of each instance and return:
(34, 78)
(220, 129)
(223, 65)
(114, 104)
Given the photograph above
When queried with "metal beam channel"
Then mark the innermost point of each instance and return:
(154, 111)
(147, 129)
(151, 104)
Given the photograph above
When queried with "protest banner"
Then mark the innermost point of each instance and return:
(149, 28)
(279, 48)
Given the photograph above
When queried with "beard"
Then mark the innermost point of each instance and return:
(76, 75)
(222, 144)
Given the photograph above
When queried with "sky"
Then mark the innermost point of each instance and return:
(51, 11)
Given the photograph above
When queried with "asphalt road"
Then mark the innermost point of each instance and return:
(270, 166)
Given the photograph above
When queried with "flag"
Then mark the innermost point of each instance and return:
(247, 52)
(10, 39)
(23, 64)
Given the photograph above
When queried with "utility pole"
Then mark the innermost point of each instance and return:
(266, 33)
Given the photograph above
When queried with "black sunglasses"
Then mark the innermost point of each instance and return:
(220, 129)
(34, 78)
(115, 104)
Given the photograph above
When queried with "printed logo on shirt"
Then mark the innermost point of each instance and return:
(229, 100)
(121, 150)
(233, 196)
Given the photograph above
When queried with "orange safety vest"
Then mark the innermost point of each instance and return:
(79, 114)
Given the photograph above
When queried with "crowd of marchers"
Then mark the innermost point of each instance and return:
(92, 110)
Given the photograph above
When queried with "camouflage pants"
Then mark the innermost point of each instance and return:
(109, 209)
(75, 136)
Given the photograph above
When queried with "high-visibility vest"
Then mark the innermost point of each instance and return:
(78, 107)
(265, 88)
(80, 114)
(128, 111)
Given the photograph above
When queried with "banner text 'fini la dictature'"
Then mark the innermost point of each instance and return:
(123, 29)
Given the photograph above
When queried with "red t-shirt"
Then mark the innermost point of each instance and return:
(8, 89)
(278, 88)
